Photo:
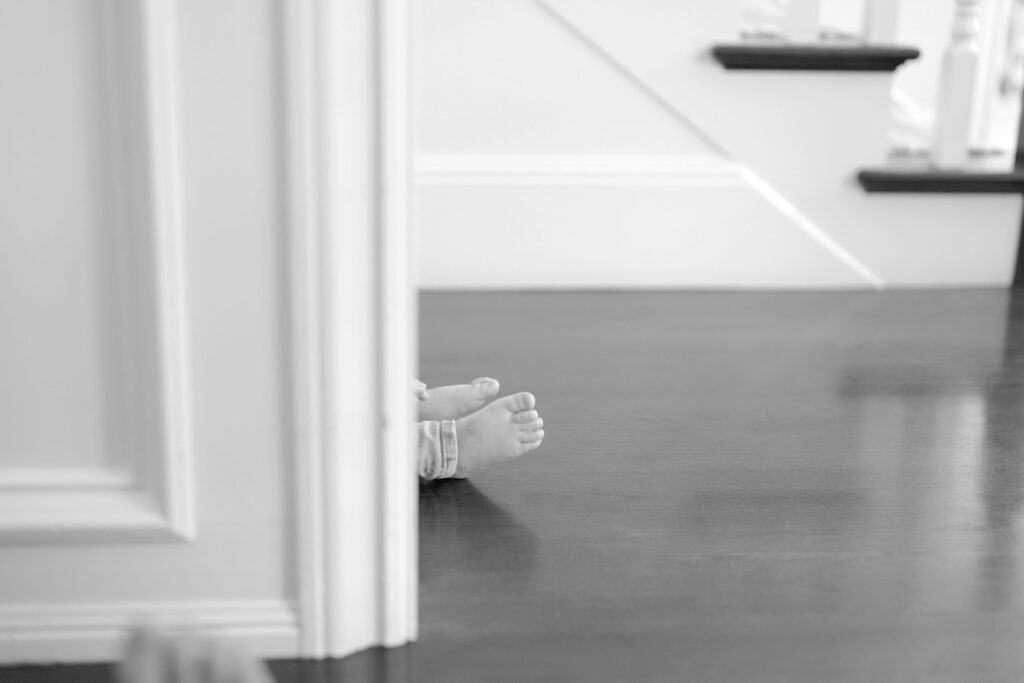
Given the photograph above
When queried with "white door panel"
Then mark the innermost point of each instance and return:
(143, 468)
(51, 359)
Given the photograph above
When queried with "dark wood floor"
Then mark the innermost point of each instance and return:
(733, 487)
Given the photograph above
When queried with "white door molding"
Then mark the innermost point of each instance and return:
(94, 631)
(353, 319)
(145, 489)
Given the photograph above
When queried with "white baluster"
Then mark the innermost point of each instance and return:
(956, 88)
(803, 21)
(1011, 82)
(881, 18)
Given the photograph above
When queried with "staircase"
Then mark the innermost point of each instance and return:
(784, 179)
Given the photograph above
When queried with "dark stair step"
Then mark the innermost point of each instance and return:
(813, 57)
(939, 181)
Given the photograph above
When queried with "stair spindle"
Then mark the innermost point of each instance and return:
(803, 21)
(956, 88)
(881, 18)
(1012, 79)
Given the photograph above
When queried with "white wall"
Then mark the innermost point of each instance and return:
(565, 143)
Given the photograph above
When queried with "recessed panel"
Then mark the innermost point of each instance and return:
(52, 237)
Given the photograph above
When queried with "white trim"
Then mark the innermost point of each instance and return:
(80, 516)
(299, 85)
(84, 513)
(627, 171)
(85, 632)
(497, 169)
(399, 328)
(74, 505)
(62, 478)
(139, 78)
(353, 320)
(159, 79)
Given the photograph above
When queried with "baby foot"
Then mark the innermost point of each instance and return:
(457, 400)
(505, 429)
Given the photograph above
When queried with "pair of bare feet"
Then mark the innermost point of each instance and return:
(487, 430)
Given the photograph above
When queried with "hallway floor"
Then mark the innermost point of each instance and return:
(733, 487)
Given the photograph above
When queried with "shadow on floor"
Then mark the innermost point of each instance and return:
(463, 530)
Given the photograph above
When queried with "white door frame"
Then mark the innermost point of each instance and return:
(354, 321)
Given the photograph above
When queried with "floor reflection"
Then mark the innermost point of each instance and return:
(942, 443)
(1002, 470)
(464, 531)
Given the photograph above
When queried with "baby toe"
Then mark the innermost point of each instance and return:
(525, 416)
(527, 447)
(531, 437)
(485, 387)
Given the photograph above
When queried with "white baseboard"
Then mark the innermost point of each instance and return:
(64, 633)
(576, 169)
(500, 221)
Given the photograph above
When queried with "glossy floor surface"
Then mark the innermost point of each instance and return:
(734, 487)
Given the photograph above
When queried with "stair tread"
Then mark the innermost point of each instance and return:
(942, 181)
(813, 57)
